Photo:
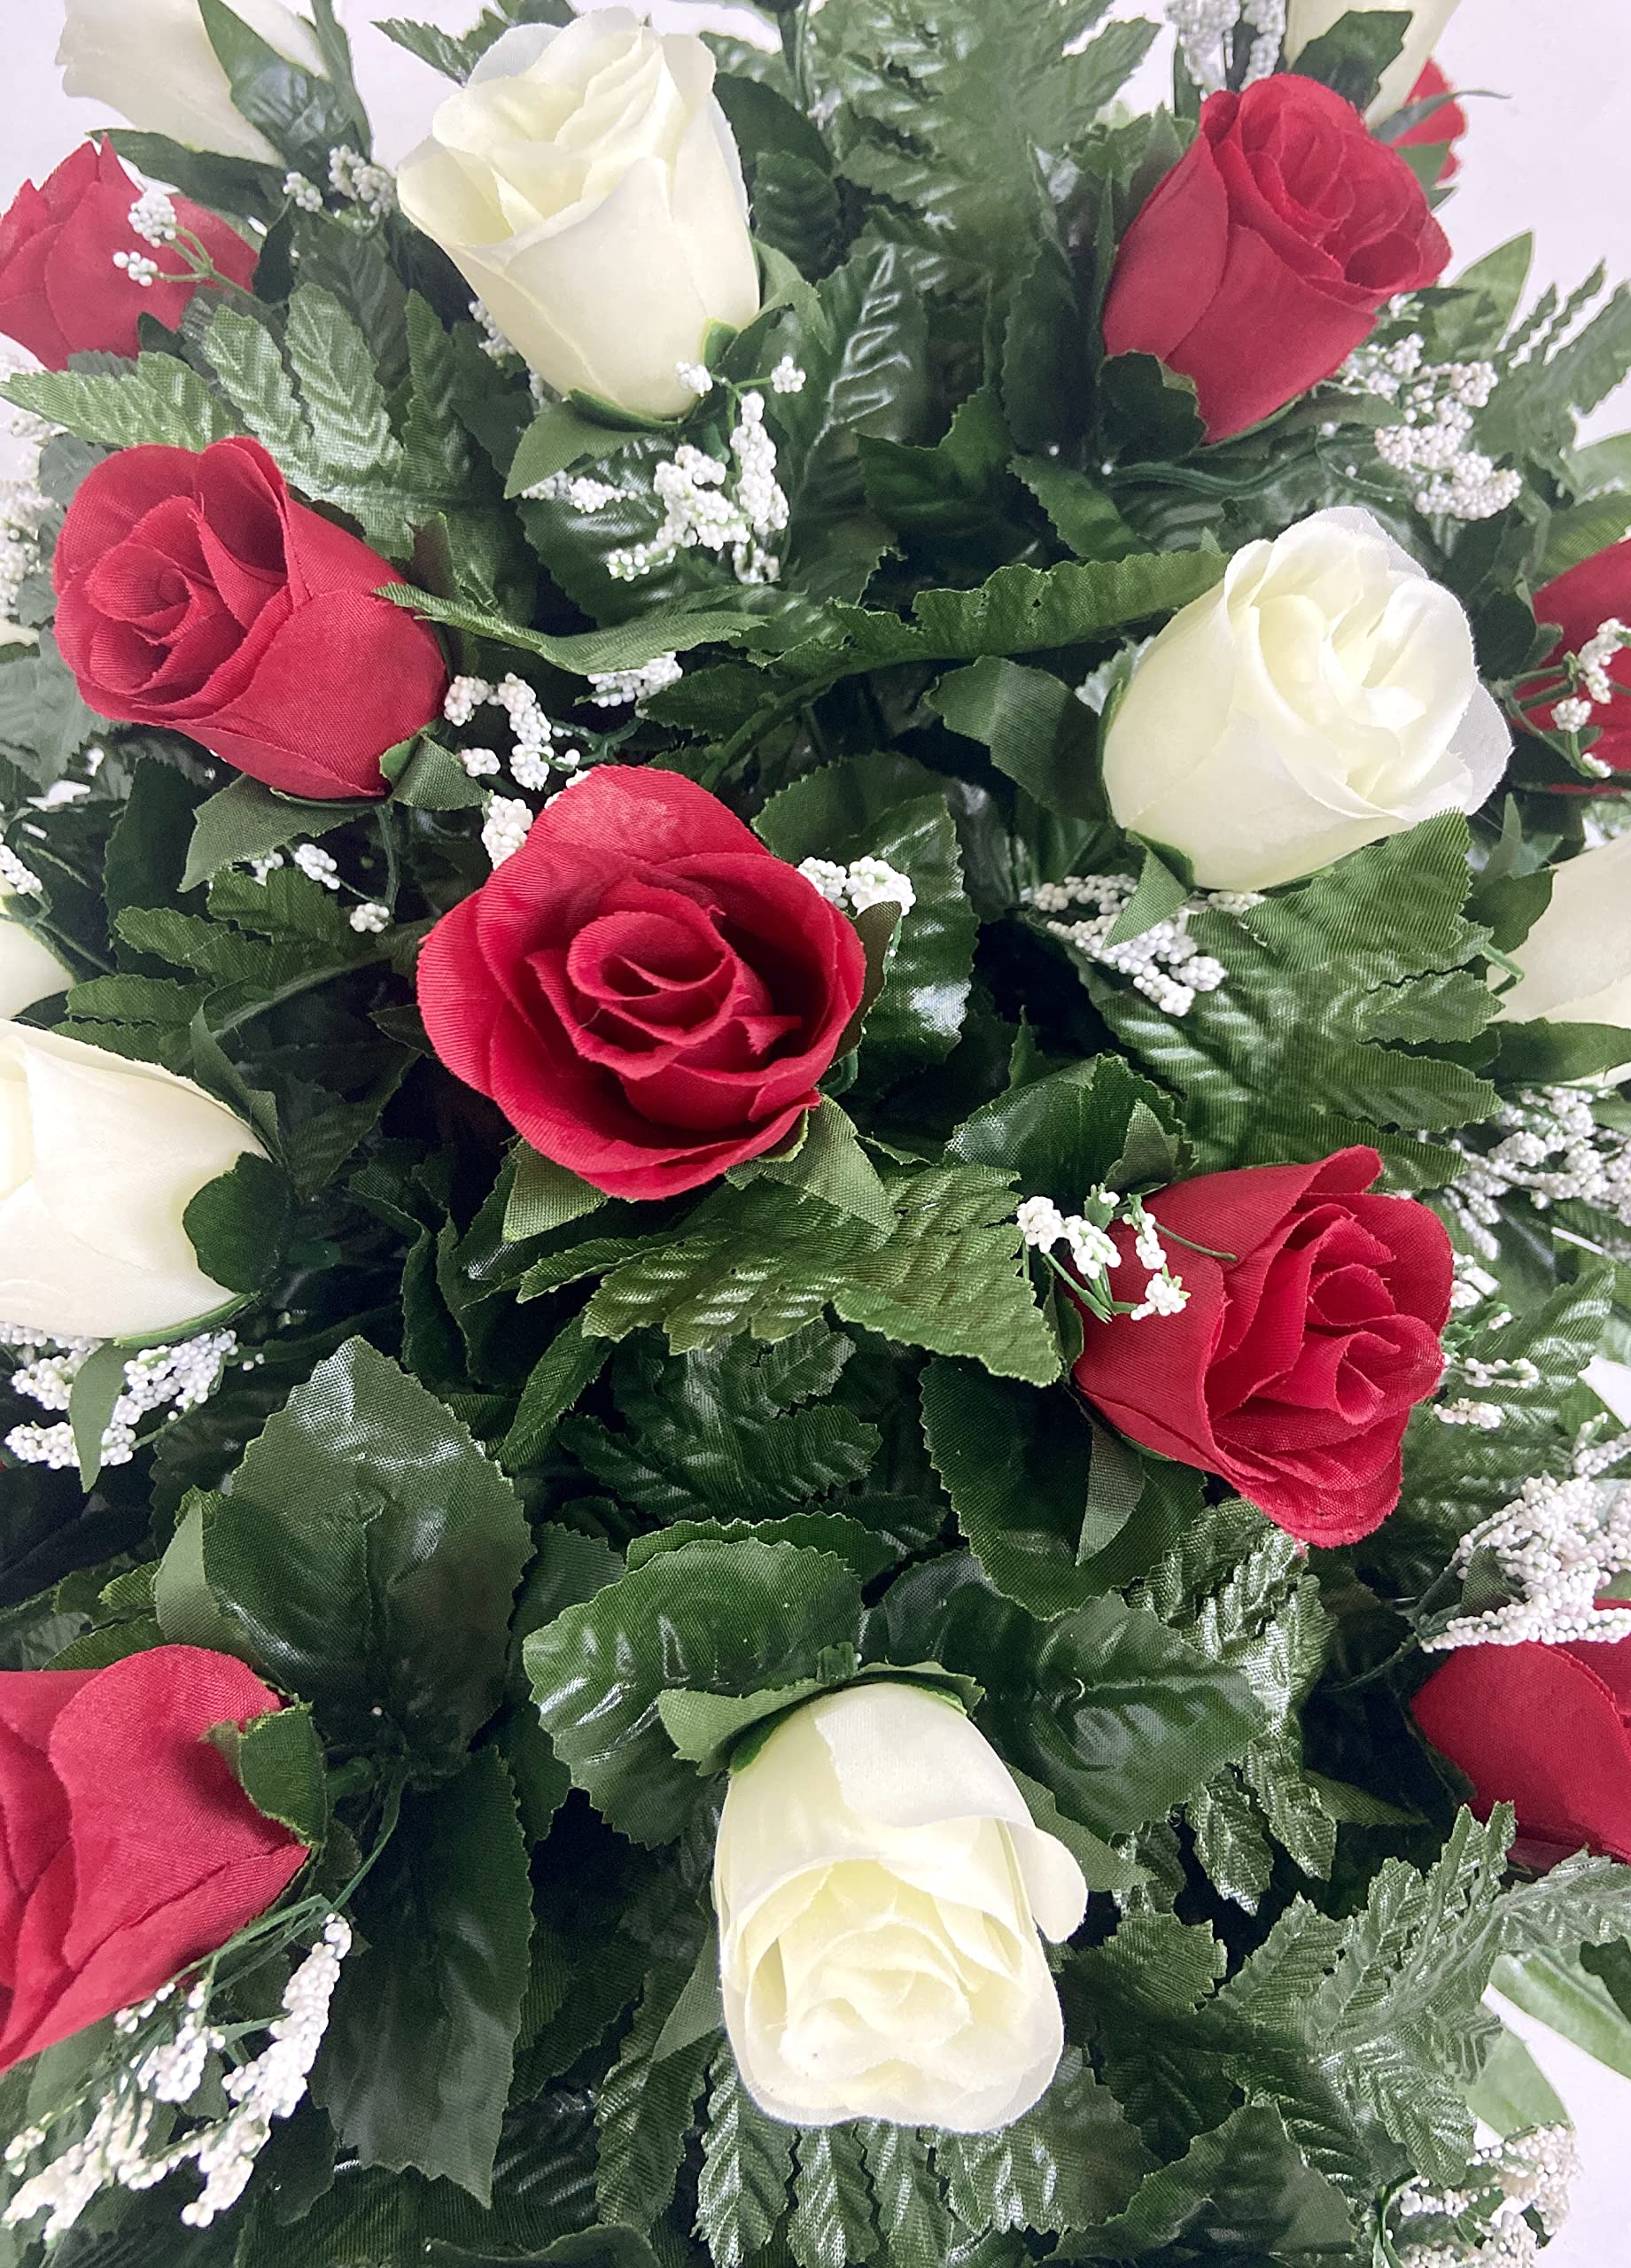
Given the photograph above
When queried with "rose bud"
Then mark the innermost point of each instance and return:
(1546, 1729)
(1324, 694)
(1583, 602)
(130, 1849)
(99, 1159)
(154, 64)
(1441, 129)
(1294, 1363)
(60, 290)
(645, 991)
(1265, 257)
(195, 594)
(1306, 19)
(880, 1887)
(585, 184)
(1576, 961)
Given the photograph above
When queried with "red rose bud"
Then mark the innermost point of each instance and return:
(1294, 1368)
(1595, 592)
(128, 1850)
(1543, 1729)
(1264, 257)
(194, 593)
(1441, 128)
(645, 991)
(60, 293)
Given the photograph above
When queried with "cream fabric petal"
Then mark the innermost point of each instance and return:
(29, 971)
(1576, 961)
(1306, 19)
(157, 68)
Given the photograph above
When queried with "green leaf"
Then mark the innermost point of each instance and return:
(278, 1761)
(42, 720)
(303, 116)
(1037, 730)
(571, 1365)
(1016, 1463)
(1065, 1134)
(238, 1224)
(625, 645)
(96, 1387)
(834, 2223)
(742, 2193)
(1085, 516)
(1245, 2178)
(1073, 2163)
(366, 1560)
(155, 397)
(828, 1163)
(417, 2059)
(545, 1196)
(707, 1618)
(1553, 1054)
(1148, 410)
(645, 2104)
(1512, 2093)
(557, 437)
(1351, 58)
(245, 821)
(911, 2209)
(223, 184)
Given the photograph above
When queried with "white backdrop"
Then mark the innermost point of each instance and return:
(1547, 152)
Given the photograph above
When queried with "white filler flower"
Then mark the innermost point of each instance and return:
(1306, 19)
(879, 1885)
(585, 184)
(154, 64)
(99, 1159)
(1324, 694)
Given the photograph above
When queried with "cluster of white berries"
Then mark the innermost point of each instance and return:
(317, 865)
(113, 2153)
(505, 827)
(370, 918)
(1555, 1150)
(495, 345)
(1431, 446)
(865, 883)
(1528, 2173)
(1588, 673)
(152, 218)
(1471, 1286)
(1155, 959)
(739, 508)
(611, 688)
(354, 178)
(1094, 1253)
(301, 193)
(138, 267)
(24, 506)
(534, 752)
(1204, 29)
(1466, 1409)
(16, 876)
(1558, 1544)
(174, 1379)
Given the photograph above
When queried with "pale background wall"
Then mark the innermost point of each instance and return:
(1547, 151)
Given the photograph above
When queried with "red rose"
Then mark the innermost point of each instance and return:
(1294, 1369)
(128, 1849)
(1595, 592)
(194, 593)
(59, 290)
(1441, 128)
(1543, 1729)
(645, 991)
(1263, 258)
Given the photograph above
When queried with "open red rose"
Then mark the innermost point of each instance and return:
(60, 294)
(1544, 1728)
(1262, 260)
(1441, 129)
(1295, 1367)
(646, 992)
(195, 593)
(1583, 600)
(127, 1847)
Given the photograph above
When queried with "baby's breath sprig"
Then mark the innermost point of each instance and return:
(1093, 1253)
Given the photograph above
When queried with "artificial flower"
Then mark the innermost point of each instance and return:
(1306, 19)
(154, 64)
(1442, 128)
(1581, 601)
(1576, 961)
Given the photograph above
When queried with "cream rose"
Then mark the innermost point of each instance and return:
(99, 1159)
(153, 64)
(1324, 696)
(1306, 19)
(585, 184)
(1576, 961)
(29, 971)
(879, 1885)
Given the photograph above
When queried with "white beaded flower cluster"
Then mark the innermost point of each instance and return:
(539, 747)
(174, 1379)
(1093, 1252)
(16, 876)
(613, 688)
(1555, 1150)
(865, 883)
(1204, 28)
(1507, 2181)
(1432, 445)
(708, 504)
(1593, 688)
(24, 506)
(359, 182)
(1164, 962)
(167, 2063)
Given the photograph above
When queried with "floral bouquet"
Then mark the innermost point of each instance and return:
(814, 1224)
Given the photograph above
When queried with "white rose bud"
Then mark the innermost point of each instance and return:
(879, 1885)
(99, 1159)
(587, 186)
(1306, 19)
(153, 64)
(1324, 696)
(29, 971)
(1576, 961)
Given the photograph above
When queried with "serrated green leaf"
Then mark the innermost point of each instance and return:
(834, 2224)
(742, 2193)
(42, 720)
(157, 398)
(644, 2111)
(1073, 2163)
(571, 1365)
(1073, 1129)
(302, 114)
(1246, 2178)
(911, 2204)
(1037, 730)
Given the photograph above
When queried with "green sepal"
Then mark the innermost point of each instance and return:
(96, 1387)
(722, 1732)
(426, 776)
(239, 1222)
(279, 1762)
(545, 1196)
